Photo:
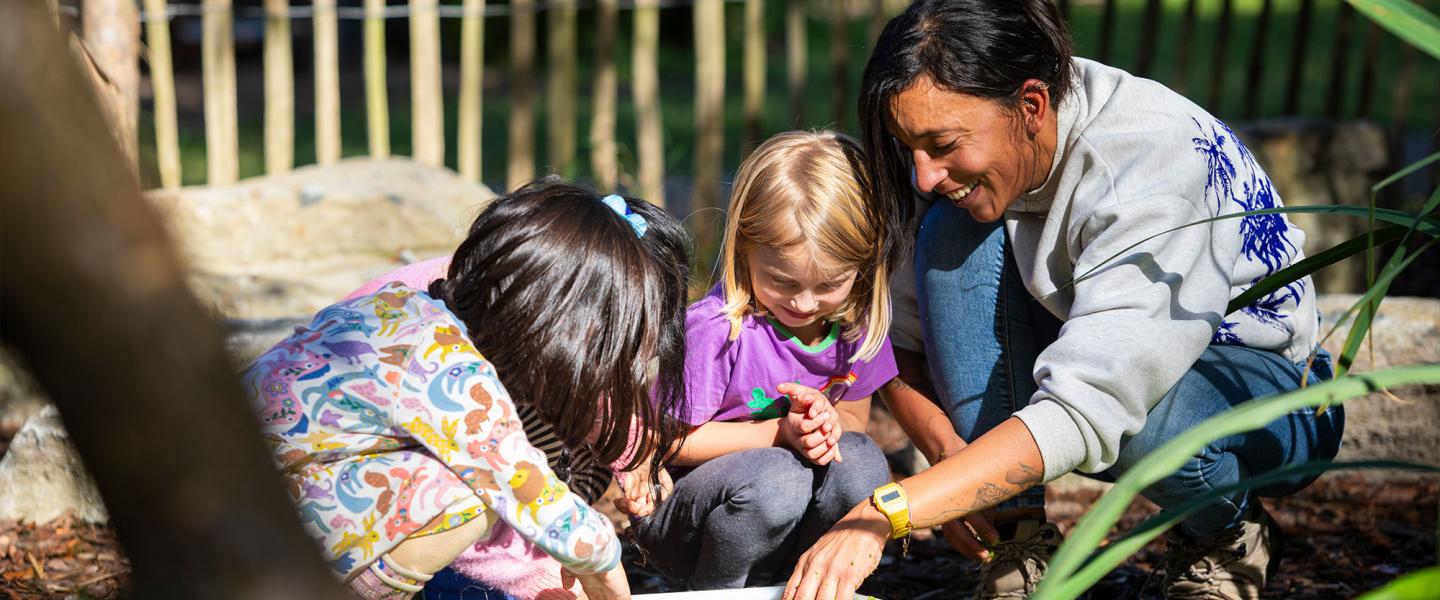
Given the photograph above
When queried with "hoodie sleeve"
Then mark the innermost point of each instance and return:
(464, 416)
(1138, 323)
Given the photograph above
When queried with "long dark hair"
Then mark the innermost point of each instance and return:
(579, 315)
(983, 48)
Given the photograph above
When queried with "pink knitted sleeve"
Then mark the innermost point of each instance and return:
(510, 563)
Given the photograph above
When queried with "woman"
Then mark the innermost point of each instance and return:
(1058, 337)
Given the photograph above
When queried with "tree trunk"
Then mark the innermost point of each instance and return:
(95, 304)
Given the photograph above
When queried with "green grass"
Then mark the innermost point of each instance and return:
(678, 85)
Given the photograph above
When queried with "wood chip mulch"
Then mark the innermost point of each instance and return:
(1345, 535)
(61, 559)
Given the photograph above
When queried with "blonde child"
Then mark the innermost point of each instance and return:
(782, 358)
(398, 415)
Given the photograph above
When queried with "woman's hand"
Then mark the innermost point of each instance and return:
(610, 585)
(841, 559)
(973, 541)
(812, 427)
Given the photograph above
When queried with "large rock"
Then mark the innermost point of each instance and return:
(1405, 425)
(265, 254)
(270, 251)
(43, 478)
(1321, 162)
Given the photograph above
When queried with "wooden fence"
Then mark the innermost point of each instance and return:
(561, 23)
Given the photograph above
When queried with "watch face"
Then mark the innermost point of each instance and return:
(890, 497)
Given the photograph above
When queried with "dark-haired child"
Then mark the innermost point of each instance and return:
(396, 414)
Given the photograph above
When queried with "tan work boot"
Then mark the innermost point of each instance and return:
(1019, 562)
(1230, 565)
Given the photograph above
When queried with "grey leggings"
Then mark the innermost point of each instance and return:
(744, 518)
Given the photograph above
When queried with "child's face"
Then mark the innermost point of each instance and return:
(793, 288)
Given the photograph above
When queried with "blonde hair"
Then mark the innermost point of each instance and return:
(808, 188)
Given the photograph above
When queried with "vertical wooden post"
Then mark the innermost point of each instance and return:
(1107, 30)
(839, 64)
(709, 120)
(603, 151)
(472, 78)
(218, 62)
(427, 132)
(279, 89)
(327, 83)
(521, 164)
(1297, 58)
(1404, 82)
(877, 19)
(1254, 81)
(560, 87)
(795, 47)
(1219, 67)
(1181, 77)
(1149, 33)
(754, 59)
(111, 29)
(162, 88)
(649, 129)
(1368, 71)
(1339, 55)
(377, 102)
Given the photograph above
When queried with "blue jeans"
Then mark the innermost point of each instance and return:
(983, 331)
(450, 584)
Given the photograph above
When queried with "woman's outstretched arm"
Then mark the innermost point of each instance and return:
(997, 466)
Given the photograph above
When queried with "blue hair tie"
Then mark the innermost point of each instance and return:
(637, 222)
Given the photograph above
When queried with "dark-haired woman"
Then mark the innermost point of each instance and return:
(1059, 334)
(398, 416)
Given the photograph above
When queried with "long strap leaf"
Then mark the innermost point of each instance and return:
(1376, 291)
(1420, 585)
(1407, 20)
(1426, 224)
(1172, 455)
(1311, 264)
(1116, 552)
(1405, 172)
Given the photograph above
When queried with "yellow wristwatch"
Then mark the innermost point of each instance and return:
(891, 501)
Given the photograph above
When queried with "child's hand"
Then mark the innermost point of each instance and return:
(812, 427)
(640, 494)
(611, 585)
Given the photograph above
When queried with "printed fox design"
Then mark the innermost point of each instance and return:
(449, 339)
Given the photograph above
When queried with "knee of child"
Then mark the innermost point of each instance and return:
(774, 496)
(864, 467)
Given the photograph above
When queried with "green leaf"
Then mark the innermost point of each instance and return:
(1126, 546)
(1424, 224)
(1172, 455)
(1405, 172)
(1420, 585)
(1372, 296)
(1407, 20)
(1311, 264)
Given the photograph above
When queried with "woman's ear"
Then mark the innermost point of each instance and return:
(1034, 104)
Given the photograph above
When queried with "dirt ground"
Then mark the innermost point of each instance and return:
(1346, 535)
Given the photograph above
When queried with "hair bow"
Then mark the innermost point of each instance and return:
(637, 222)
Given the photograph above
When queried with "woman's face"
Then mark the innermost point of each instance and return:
(972, 150)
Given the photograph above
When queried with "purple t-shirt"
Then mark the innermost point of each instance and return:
(735, 380)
